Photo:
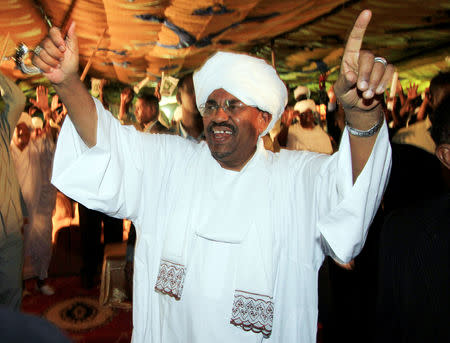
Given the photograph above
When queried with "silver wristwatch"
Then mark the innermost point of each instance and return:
(365, 133)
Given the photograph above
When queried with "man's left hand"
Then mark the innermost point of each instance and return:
(362, 80)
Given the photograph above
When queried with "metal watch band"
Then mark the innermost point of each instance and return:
(362, 133)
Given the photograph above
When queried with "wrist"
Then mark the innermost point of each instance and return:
(362, 120)
(365, 133)
(372, 130)
(68, 81)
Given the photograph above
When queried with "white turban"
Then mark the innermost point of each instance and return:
(301, 90)
(249, 79)
(37, 123)
(302, 106)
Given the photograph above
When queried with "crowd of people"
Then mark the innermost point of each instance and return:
(236, 235)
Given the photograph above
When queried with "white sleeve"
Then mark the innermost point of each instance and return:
(108, 176)
(346, 210)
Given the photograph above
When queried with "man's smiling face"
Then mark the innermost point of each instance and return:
(232, 135)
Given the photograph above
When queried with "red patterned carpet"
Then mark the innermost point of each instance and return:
(74, 308)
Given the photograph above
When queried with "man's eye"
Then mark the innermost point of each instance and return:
(210, 107)
(234, 107)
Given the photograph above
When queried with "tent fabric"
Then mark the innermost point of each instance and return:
(147, 38)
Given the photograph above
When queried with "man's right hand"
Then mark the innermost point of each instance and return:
(58, 58)
(58, 61)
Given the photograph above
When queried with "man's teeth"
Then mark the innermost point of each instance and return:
(222, 131)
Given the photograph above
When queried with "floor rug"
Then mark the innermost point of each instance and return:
(79, 314)
(117, 330)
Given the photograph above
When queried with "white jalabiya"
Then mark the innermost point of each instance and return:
(254, 282)
(158, 181)
(33, 166)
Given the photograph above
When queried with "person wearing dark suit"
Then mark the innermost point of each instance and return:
(413, 302)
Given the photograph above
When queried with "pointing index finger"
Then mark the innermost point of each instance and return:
(355, 39)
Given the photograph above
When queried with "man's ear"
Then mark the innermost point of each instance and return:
(264, 119)
(443, 154)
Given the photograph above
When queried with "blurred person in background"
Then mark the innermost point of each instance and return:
(33, 158)
(12, 207)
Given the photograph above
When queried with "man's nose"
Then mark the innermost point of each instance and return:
(221, 115)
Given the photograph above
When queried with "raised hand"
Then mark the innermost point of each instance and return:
(58, 58)
(362, 80)
(41, 101)
(55, 103)
(412, 91)
(360, 86)
(126, 96)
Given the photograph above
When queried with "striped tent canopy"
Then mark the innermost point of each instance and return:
(129, 40)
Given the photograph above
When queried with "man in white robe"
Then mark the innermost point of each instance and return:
(221, 243)
(305, 134)
(33, 158)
